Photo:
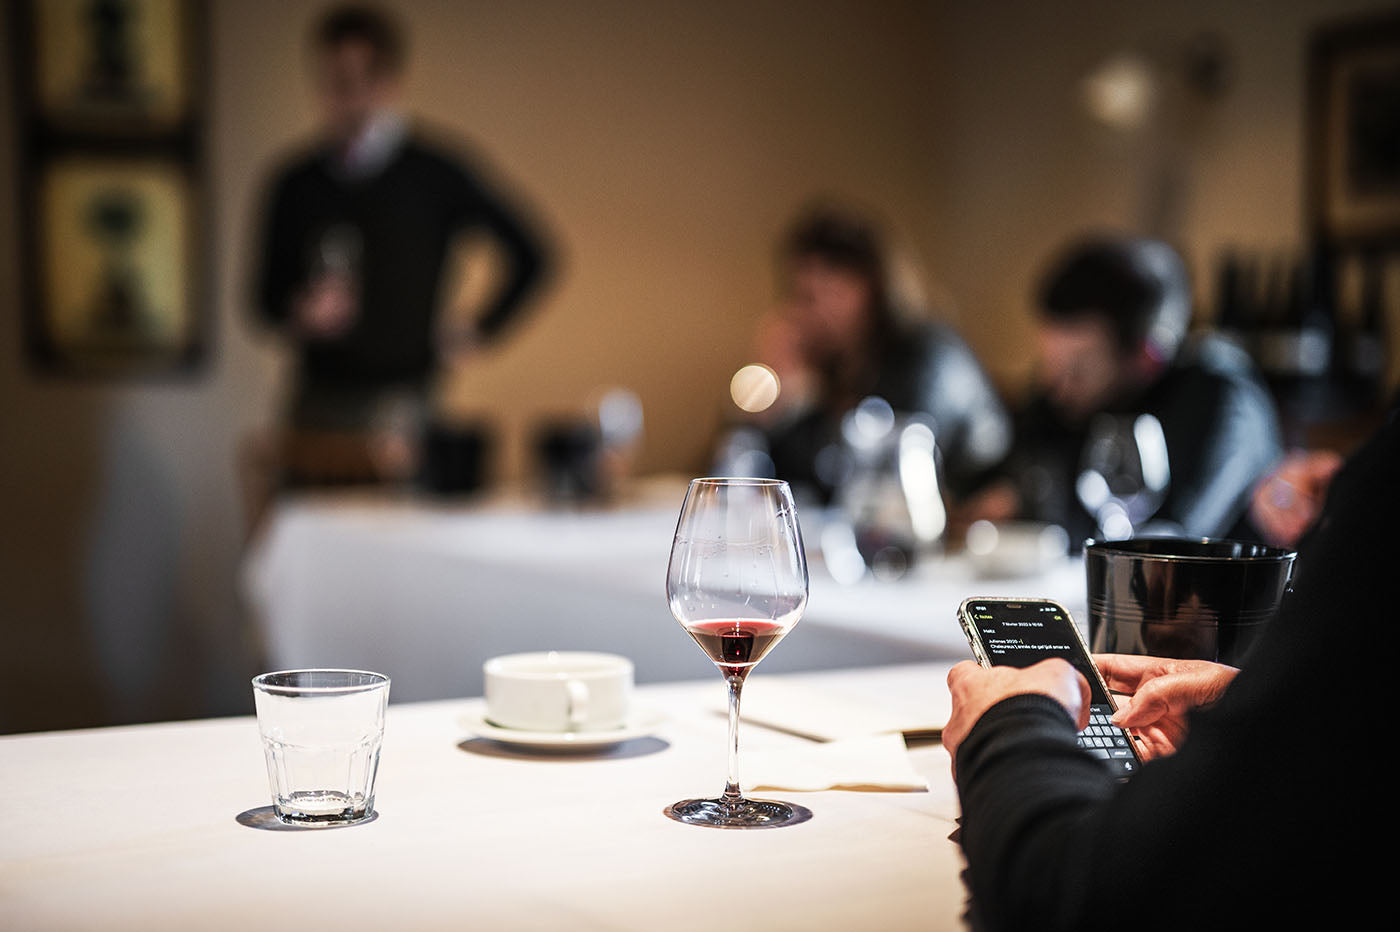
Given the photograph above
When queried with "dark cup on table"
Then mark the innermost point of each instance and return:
(1191, 599)
(456, 458)
(569, 455)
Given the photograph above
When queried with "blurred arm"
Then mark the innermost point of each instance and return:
(972, 426)
(281, 270)
(1221, 437)
(525, 257)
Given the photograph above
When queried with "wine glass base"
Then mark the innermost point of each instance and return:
(740, 813)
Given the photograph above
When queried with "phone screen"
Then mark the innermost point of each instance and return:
(1018, 634)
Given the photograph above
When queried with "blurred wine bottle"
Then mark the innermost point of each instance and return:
(1230, 314)
(1317, 325)
(1311, 331)
(1363, 356)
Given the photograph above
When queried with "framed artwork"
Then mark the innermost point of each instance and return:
(116, 252)
(111, 167)
(1353, 129)
(113, 64)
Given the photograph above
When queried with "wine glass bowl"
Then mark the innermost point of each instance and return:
(737, 583)
(1124, 473)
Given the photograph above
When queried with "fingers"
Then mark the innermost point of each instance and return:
(1085, 700)
(1125, 672)
(960, 671)
(965, 711)
(1182, 686)
(1142, 709)
(974, 690)
(1059, 680)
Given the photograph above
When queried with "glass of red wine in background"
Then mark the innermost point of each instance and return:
(737, 583)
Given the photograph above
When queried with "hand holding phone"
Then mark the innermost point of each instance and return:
(975, 689)
(1023, 632)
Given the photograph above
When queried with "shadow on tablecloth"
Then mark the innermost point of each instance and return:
(637, 747)
(264, 819)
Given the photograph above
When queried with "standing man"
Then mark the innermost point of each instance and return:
(357, 233)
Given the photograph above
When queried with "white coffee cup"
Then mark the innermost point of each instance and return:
(558, 691)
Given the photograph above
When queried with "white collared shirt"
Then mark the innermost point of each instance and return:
(375, 147)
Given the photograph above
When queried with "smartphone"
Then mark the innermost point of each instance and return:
(1020, 632)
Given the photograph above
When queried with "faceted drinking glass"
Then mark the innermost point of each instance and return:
(321, 732)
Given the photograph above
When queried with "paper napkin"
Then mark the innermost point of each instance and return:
(827, 715)
(879, 762)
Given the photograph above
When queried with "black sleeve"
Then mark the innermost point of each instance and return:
(1028, 796)
(1223, 436)
(1259, 820)
(281, 270)
(474, 207)
(973, 427)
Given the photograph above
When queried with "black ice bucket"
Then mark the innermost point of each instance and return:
(1188, 599)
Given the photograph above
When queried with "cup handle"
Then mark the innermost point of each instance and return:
(577, 693)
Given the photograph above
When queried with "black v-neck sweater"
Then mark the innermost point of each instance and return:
(406, 218)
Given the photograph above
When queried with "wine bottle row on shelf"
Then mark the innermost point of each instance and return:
(1316, 324)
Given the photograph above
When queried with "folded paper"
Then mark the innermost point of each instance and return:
(878, 762)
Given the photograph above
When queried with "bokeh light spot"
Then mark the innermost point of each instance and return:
(754, 388)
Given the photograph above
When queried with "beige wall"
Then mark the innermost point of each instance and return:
(664, 144)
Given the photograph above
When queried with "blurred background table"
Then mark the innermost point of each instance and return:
(426, 592)
(138, 828)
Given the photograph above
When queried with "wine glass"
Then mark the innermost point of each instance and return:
(1124, 473)
(737, 583)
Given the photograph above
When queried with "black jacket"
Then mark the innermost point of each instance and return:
(922, 368)
(1221, 431)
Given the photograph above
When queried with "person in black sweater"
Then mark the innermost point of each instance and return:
(358, 232)
(1265, 805)
(1111, 334)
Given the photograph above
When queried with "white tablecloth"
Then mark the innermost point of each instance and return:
(136, 828)
(427, 592)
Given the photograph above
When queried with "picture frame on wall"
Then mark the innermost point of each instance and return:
(110, 107)
(1353, 132)
(111, 65)
(115, 264)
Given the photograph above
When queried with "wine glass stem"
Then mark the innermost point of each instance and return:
(731, 786)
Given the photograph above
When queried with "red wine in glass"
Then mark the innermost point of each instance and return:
(736, 644)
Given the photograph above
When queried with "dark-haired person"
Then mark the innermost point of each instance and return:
(1254, 812)
(840, 334)
(357, 235)
(1111, 322)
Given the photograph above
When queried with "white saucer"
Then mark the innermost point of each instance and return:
(639, 724)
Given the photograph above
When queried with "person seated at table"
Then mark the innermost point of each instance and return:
(1111, 325)
(841, 333)
(1257, 808)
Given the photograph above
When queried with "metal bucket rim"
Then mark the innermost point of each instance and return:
(1124, 548)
